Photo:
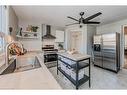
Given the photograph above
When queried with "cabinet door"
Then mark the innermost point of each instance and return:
(59, 36)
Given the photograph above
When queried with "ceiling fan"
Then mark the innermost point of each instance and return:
(85, 20)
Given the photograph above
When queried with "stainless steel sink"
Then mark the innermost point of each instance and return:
(20, 64)
(27, 63)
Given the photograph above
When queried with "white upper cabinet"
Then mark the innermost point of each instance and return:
(59, 36)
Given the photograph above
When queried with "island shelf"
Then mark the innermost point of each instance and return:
(79, 63)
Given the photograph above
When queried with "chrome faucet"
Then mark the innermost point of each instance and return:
(7, 51)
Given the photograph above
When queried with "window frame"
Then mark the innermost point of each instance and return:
(4, 26)
(2, 42)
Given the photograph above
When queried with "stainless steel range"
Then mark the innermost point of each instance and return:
(50, 55)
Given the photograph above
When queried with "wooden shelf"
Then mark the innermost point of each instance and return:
(80, 66)
(26, 37)
(30, 32)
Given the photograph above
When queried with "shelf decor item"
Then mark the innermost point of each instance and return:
(30, 32)
(34, 28)
(20, 31)
(60, 46)
(29, 28)
(10, 30)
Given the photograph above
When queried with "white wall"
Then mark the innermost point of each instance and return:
(0, 18)
(36, 44)
(86, 40)
(112, 27)
(13, 22)
(91, 31)
(83, 43)
(115, 27)
(53, 32)
(30, 44)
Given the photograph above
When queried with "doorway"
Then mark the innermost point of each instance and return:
(125, 47)
(76, 41)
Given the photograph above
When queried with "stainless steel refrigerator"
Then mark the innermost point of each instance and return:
(106, 50)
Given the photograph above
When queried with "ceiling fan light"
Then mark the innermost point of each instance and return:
(87, 20)
(80, 25)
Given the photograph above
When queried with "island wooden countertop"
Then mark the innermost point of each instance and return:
(75, 57)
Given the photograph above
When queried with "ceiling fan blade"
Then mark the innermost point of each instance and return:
(92, 22)
(73, 18)
(93, 16)
(72, 24)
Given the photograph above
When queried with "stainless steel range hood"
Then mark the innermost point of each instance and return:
(48, 33)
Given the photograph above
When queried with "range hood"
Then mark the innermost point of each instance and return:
(48, 33)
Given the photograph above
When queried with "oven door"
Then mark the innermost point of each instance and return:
(50, 57)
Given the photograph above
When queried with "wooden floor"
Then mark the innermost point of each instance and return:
(100, 79)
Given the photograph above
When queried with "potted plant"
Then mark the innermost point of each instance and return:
(34, 28)
(60, 46)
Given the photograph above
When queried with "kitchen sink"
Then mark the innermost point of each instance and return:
(20, 64)
(27, 63)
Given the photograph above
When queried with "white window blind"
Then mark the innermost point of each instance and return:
(3, 16)
(1, 38)
(0, 18)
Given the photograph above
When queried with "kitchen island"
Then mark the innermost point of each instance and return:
(72, 66)
(39, 78)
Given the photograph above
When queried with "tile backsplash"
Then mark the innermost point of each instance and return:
(50, 42)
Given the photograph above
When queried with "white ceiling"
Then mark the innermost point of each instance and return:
(57, 15)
